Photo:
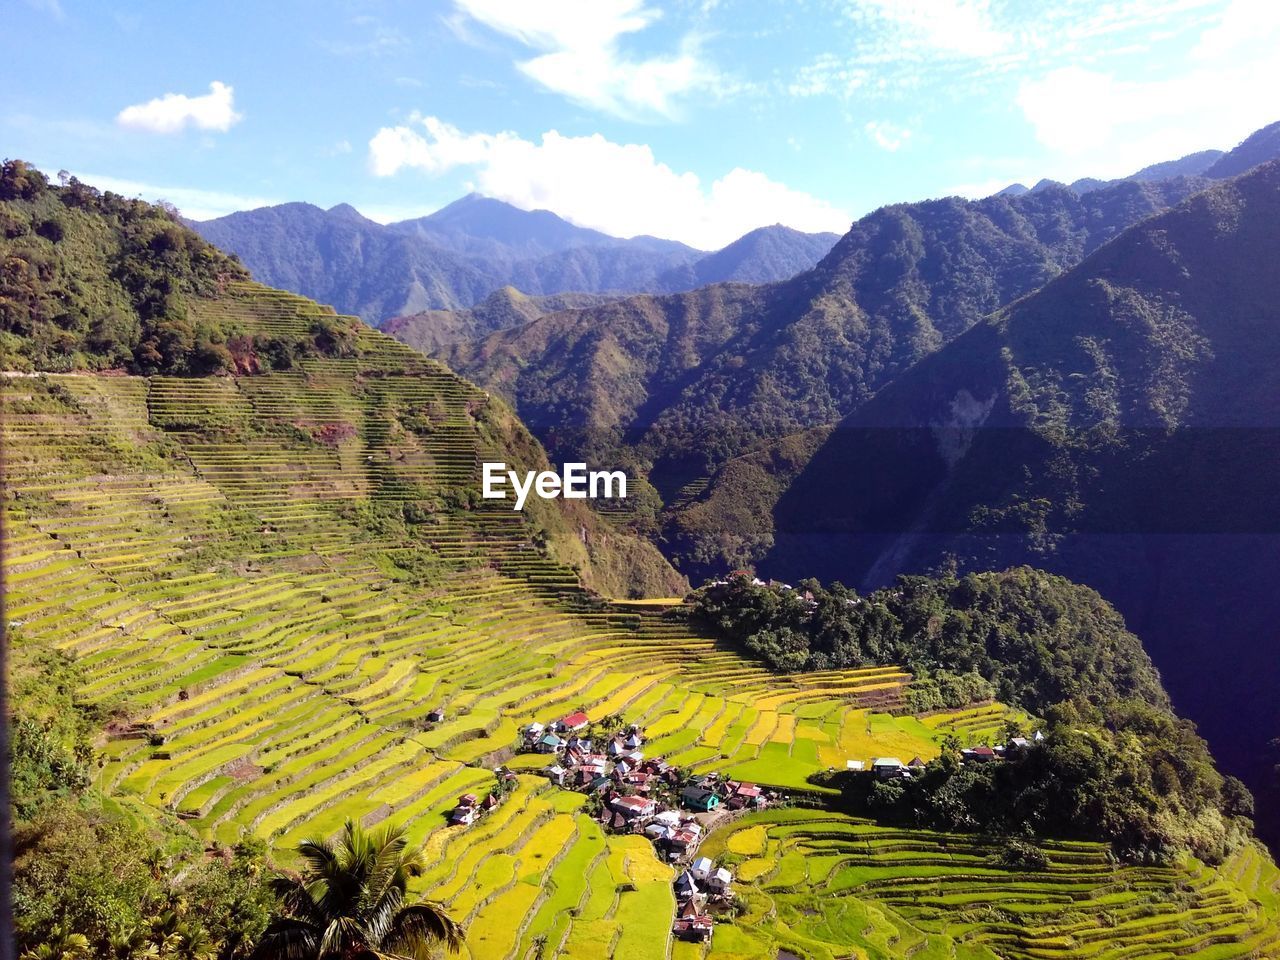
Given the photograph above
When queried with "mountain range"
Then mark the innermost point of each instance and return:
(685, 382)
(460, 254)
(1121, 426)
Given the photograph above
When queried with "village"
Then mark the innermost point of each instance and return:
(631, 793)
(634, 794)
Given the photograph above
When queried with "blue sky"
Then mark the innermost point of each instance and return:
(690, 119)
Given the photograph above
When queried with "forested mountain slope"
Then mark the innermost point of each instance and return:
(692, 379)
(684, 382)
(1121, 426)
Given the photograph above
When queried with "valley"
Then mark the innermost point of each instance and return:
(257, 600)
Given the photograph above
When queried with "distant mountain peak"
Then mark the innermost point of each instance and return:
(345, 210)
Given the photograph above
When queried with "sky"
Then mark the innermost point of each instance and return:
(695, 120)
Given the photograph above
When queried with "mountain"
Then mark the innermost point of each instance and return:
(97, 281)
(678, 385)
(457, 256)
(690, 380)
(1196, 164)
(505, 307)
(1121, 426)
(482, 226)
(338, 257)
(1193, 165)
(1259, 147)
(761, 256)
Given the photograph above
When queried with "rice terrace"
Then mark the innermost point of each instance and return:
(281, 637)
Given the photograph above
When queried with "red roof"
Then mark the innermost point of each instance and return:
(467, 800)
(984, 752)
(575, 719)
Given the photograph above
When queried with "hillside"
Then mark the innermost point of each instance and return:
(1115, 427)
(95, 281)
(761, 256)
(690, 380)
(246, 606)
(456, 257)
(505, 307)
(683, 383)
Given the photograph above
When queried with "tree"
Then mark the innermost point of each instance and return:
(349, 903)
(61, 944)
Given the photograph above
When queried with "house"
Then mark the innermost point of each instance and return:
(550, 743)
(699, 798)
(701, 868)
(1037, 736)
(489, 802)
(683, 838)
(556, 773)
(435, 716)
(855, 765)
(634, 807)
(668, 817)
(719, 881)
(638, 781)
(982, 754)
(616, 748)
(746, 795)
(686, 886)
(597, 785)
(534, 729)
(634, 741)
(697, 928)
(467, 800)
(1019, 743)
(574, 721)
(462, 816)
(659, 831)
(915, 763)
(887, 767)
(622, 768)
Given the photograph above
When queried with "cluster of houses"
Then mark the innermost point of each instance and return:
(891, 768)
(702, 883)
(648, 796)
(470, 807)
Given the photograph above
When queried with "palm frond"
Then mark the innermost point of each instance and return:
(424, 922)
(288, 939)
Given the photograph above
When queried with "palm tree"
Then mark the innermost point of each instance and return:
(133, 944)
(61, 944)
(349, 903)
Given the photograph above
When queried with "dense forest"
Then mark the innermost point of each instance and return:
(1114, 762)
(1032, 639)
(93, 280)
(1127, 772)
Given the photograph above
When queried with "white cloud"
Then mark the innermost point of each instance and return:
(193, 203)
(621, 189)
(1102, 125)
(174, 112)
(828, 74)
(959, 27)
(580, 58)
(887, 136)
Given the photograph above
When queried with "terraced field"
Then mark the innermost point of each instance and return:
(825, 886)
(275, 577)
